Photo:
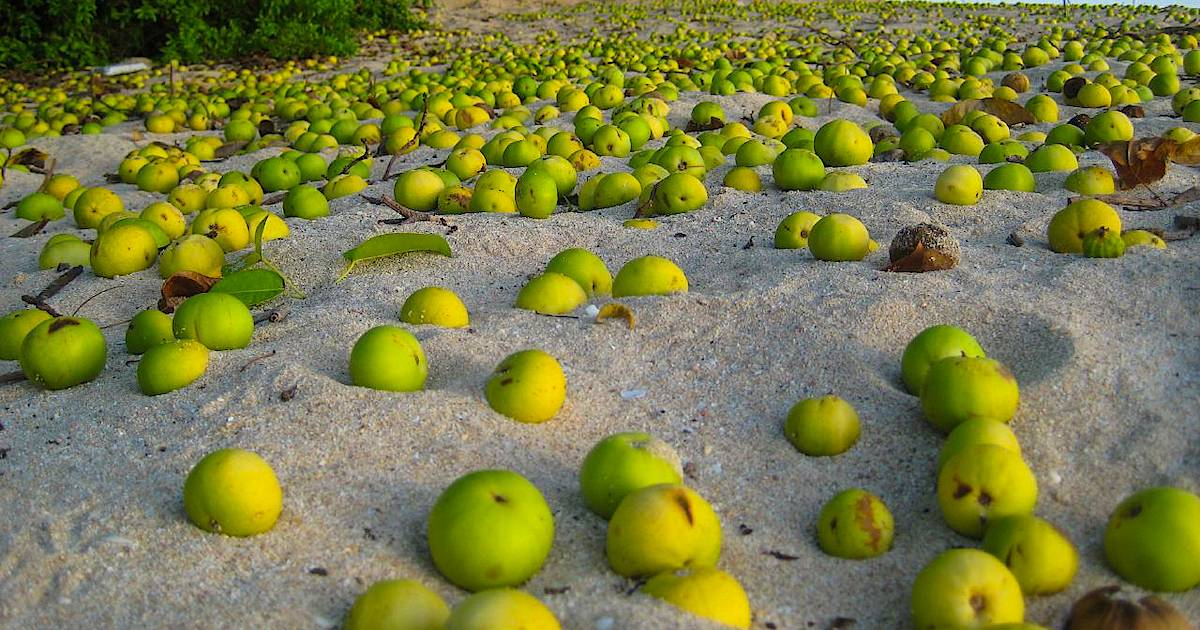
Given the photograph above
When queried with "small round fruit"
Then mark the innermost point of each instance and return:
(1052, 157)
(397, 605)
(1103, 243)
(977, 431)
(220, 321)
(649, 275)
(1153, 539)
(72, 252)
(63, 352)
(842, 143)
(305, 202)
(622, 463)
(552, 294)
(932, 345)
(194, 252)
(38, 206)
(527, 386)
(388, 358)
(1134, 238)
(822, 426)
(966, 588)
(93, 205)
(148, 329)
(1040, 556)
(839, 237)
(794, 229)
(171, 365)
(960, 388)
(585, 268)
(663, 528)
(233, 492)
(981, 483)
(960, 184)
(490, 528)
(708, 593)
(501, 609)
(122, 250)
(1091, 180)
(1016, 177)
(855, 524)
(436, 306)
(14, 327)
(1070, 225)
(798, 169)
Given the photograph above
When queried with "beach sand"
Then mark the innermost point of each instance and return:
(1105, 351)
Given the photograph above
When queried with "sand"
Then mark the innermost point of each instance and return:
(1105, 352)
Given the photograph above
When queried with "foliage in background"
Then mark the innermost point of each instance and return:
(76, 33)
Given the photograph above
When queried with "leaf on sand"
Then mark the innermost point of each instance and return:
(1141, 162)
(29, 157)
(1187, 153)
(712, 124)
(393, 244)
(921, 260)
(615, 310)
(228, 149)
(251, 286)
(1011, 113)
(182, 285)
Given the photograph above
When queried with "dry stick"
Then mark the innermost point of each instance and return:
(51, 290)
(416, 139)
(32, 229)
(12, 377)
(94, 296)
(408, 213)
(256, 360)
(365, 154)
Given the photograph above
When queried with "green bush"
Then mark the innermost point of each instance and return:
(75, 33)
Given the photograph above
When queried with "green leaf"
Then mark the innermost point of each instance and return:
(392, 244)
(251, 286)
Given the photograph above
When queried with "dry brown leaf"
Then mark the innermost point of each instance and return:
(617, 310)
(713, 123)
(921, 260)
(1099, 610)
(1140, 162)
(1187, 153)
(1011, 113)
(182, 285)
(29, 157)
(228, 149)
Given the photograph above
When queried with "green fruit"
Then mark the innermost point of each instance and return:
(233, 492)
(388, 358)
(998, 152)
(1134, 238)
(436, 306)
(1103, 243)
(527, 386)
(663, 528)
(171, 365)
(551, 294)
(841, 181)
(1153, 539)
(742, 178)
(961, 140)
(1040, 556)
(622, 463)
(708, 593)
(397, 605)
(122, 250)
(842, 143)
(72, 252)
(960, 185)
(63, 352)
(536, 194)
(1091, 180)
(966, 588)
(13, 329)
(148, 329)
(822, 426)
(931, 345)
(678, 193)
(488, 529)
(1052, 157)
(960, 388)
(194, 252)
(1110, 126)
(501, 609)
(1070, 225)
(38, 206)
(982, 483)
(166, 218)
(585, 268)
(794, 229)
(614, 189)
(418, 189)
(798, 169)
(839, 237)
(977, 431)
(855, 524)
(93, 205)
(305, 202)
(649, 275)
(220, 321)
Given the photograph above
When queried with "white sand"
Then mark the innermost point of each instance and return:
(1105, 351)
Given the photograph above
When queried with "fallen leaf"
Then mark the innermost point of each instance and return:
(32, 229)
(713, 123)
(29, 157)
(228, 149)
(618, 310)
(1140, 162)
(1072, 86)
(1187, 153)
(392, 244)
(1011, 113)
(251, 286)
(182, 285)
(921, 260)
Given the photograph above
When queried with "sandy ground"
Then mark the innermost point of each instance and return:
(1105, 352)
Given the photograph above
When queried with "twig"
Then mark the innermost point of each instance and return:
(416, 139)
(33, 229)
(365, 154)
(94, 296)
(256, 360)
(12, 377)
(52, 289)
(408, 213)
(272, 317)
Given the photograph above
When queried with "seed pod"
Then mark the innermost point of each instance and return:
(1098, 610)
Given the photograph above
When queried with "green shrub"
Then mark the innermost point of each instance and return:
(75, 33)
